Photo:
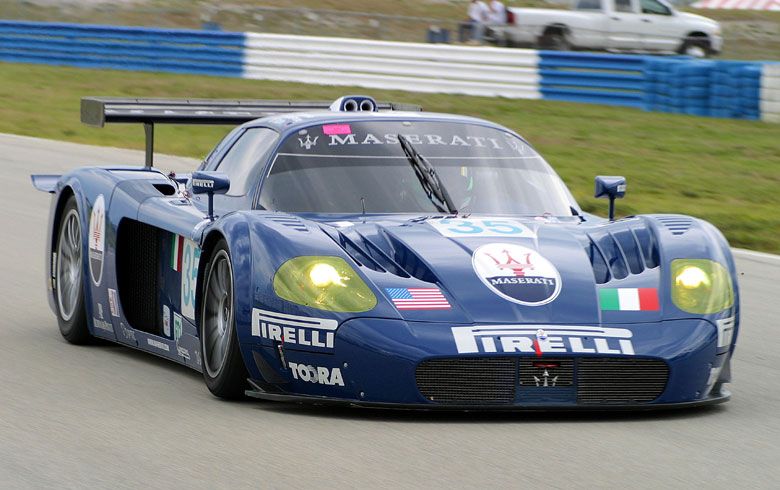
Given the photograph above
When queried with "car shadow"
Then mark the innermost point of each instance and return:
(529, 417)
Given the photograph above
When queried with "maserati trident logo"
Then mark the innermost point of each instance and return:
(546, 379)
(308, 143)
(517, 267)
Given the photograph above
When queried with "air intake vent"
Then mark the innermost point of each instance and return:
(678, 225)
(468, 380)
(620, 380)
(617, 251)
(290, 222)
(496, 380)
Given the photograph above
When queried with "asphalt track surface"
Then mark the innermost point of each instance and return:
(108, 416)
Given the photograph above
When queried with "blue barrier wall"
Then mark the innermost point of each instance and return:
(592, 78)
(667, 84)
(124, 48)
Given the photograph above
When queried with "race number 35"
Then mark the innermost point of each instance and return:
(189, 278)
(483, 227)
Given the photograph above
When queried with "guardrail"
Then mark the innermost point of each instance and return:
(704, 88)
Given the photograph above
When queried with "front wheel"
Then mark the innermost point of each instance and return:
(223, 367)
(69, 277)
(698, 48)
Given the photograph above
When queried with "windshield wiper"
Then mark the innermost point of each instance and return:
(425, 172)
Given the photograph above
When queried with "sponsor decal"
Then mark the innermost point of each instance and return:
(100, 311)
(418, 298)
(127, 333)
(629, 299)
(197, 357)
(317, 374)
(485, 227)
(183, 352)
(166, 320)
(101, 324)
(516, 273)
(113, 302)
(330, 129)
(725, 331)
(308, 143)
(304, 331)
(555, 339)
(158, 345)
(97, 239)
(190, 258)
(204, 183)
(177, 326)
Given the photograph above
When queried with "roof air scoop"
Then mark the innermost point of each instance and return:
(354, 103)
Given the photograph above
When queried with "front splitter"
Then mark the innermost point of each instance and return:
(261, 394)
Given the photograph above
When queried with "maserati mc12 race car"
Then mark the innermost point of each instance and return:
(372, 254)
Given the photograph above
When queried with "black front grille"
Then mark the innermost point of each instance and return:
(541, 372)
(496, 380)
(468, 380)
(620, 380)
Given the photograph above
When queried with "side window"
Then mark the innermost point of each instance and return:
(624, 6)
(244, 157)
(588, 5)
(212, 158)
(654, 7)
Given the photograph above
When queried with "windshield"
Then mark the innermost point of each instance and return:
(361, 167)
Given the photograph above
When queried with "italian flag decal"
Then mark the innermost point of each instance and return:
(629, 299)
(177, 247)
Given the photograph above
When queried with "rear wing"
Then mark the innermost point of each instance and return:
(99, 111)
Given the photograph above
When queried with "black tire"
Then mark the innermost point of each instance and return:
(226, 375)
(555, 40)
(698, 47)
(69, 302)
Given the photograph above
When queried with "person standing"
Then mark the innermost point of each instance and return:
(497, 13)
(478, 15)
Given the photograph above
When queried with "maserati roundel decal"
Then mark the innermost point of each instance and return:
(516, 273)
(97, 228)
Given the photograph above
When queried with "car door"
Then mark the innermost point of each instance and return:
(663, 31)
(626, 27)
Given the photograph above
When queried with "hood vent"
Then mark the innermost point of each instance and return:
(381, 252)
(290, 222)
(678, 225)
(619, 251)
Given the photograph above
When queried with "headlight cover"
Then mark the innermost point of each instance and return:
(325, 283)
(701, 286)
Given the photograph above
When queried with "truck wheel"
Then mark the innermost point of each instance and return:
(555, 40)
(698, 48)
(69, 276)
(223, 367)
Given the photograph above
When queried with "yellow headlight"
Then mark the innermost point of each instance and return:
(701, 286)
(326, 283)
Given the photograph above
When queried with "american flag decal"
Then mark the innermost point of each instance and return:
(418, 298)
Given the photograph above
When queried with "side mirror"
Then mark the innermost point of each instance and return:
(611, 187)
(210, 183)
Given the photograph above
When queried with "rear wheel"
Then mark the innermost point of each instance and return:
(696, 47)
(69, 276)
(223, 367)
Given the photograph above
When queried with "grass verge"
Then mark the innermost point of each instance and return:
(725, 171)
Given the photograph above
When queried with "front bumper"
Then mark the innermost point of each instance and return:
(377, 363)
(259, 393)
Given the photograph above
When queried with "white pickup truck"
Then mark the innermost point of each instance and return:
(613, 25)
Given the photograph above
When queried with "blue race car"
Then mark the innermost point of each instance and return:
(371, 254)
